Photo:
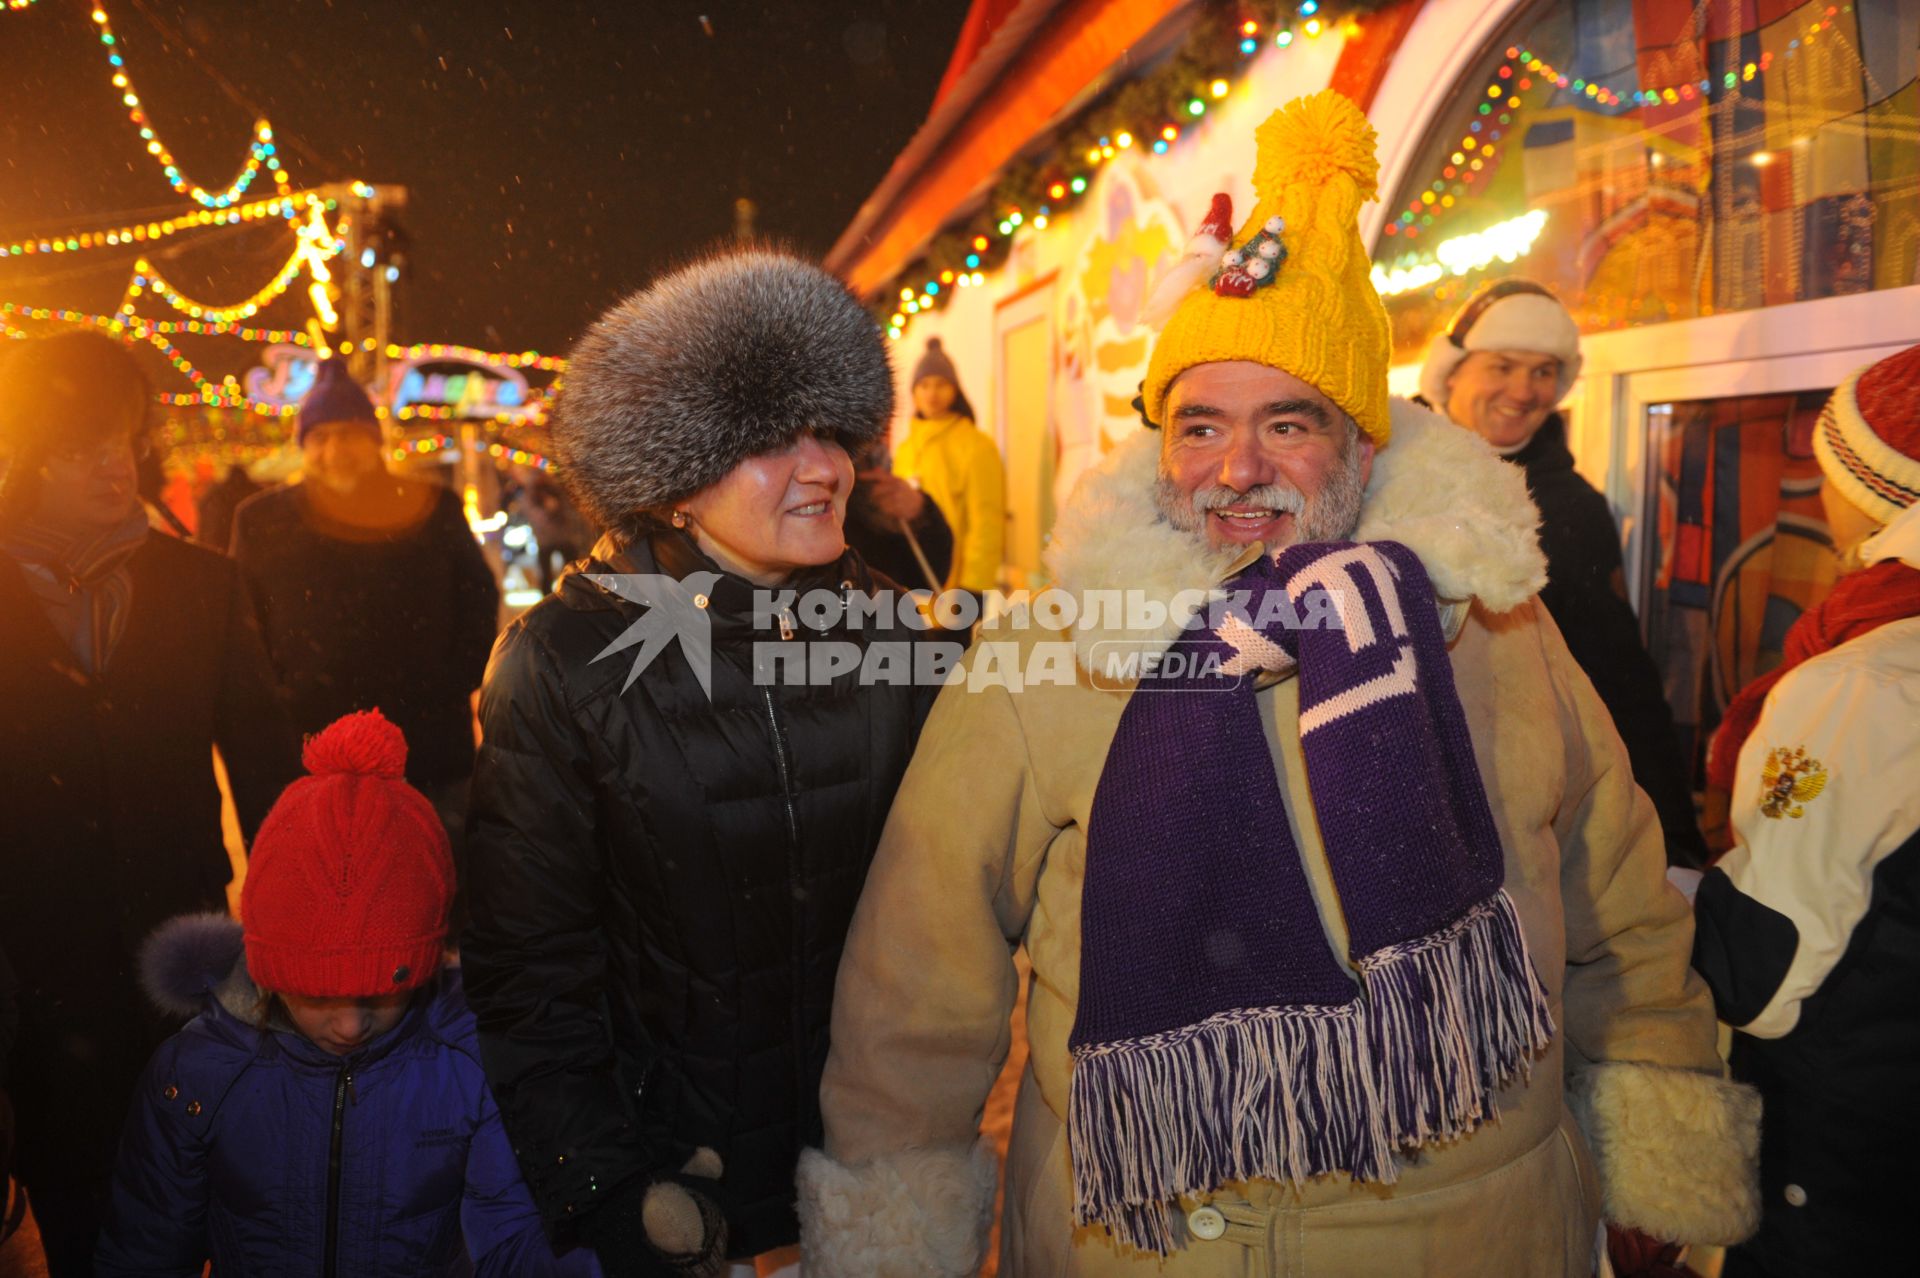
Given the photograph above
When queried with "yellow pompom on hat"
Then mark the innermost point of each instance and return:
(1316, 313)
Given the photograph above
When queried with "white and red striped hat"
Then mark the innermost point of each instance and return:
(1868, 439)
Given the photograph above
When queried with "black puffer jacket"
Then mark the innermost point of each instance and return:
(1586, 595)
(661, 884)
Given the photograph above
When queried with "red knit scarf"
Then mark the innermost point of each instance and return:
(1861, 602)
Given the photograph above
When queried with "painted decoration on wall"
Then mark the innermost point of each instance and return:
(1128, 234)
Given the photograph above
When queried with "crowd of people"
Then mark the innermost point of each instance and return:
(1381, 943)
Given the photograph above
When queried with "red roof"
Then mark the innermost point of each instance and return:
(1019, 67)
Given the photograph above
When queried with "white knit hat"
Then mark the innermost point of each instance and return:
(1506, 315)
(1868, 439)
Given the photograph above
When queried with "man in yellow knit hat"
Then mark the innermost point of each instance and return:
(1352, 948)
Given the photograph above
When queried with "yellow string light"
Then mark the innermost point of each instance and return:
(525, 359)
(261, 152)
(148, 232)
(310, 254)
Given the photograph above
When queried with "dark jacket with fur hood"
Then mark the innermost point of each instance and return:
(660, 883)
(255, 1149)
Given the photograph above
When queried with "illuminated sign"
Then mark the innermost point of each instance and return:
(462, 388)
(286, 377)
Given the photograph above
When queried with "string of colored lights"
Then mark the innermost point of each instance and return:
(260, 152)
(210, 394)
(1474, 156)
(1068, 186)
(310, 254)
(525, 359)
(429, 444)
(78, 241)
(1684, 90)
(20, 4)
(199, 328)
(533, 412)
(120, 328)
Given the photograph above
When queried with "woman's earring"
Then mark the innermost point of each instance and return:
(679, 519)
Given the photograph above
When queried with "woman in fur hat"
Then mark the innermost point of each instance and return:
(668, 843)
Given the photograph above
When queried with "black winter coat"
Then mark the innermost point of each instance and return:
(660, 885)
(1586, 596)
(1842, 1122)
(401, 623)
(112, 825)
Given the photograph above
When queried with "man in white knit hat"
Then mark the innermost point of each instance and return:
(1500, 370)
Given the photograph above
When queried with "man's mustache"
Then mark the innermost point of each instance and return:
(1274, 497)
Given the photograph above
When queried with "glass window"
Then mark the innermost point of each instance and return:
(1652, 160)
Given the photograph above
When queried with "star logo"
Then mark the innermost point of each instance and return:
(675, 607)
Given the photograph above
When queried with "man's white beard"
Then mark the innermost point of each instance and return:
(1329, 515)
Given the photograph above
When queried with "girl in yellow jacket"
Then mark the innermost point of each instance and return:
(957, 465)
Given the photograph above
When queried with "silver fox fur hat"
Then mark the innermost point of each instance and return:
(719, 361)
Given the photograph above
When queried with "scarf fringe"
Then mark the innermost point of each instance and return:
(1451, 1018)
(1288, 1094)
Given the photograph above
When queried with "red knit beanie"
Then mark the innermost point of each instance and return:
(1868, 439)
(350, 880)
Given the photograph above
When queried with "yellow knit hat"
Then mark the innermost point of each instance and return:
(1316, 314)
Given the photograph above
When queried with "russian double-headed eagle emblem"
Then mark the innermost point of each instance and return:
(1789, 780)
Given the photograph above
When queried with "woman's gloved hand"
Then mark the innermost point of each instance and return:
(672, 1226)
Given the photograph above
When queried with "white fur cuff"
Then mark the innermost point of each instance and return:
(920, 1213)
(1678, 1151)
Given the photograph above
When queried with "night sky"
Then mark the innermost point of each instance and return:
(557, 152)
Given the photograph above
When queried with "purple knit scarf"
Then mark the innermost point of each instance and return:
(1218, 1039)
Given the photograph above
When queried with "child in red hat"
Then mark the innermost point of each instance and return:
(324, 1110)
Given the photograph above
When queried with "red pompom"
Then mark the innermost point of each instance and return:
(363, 744)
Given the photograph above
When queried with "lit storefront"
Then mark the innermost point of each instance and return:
(1727, 196)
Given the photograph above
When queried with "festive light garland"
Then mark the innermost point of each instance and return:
(78, 241)
(316, 245)
(210, 394)
(260, 152)
(436, 350)
(1148, 114)
(1473, 156)
(116, 327)
(427, 445)
(199, 328)
(20, 4)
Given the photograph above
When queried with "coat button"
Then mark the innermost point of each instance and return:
(701, 601)
(1795, 1196)
(1206, 1223)
(172, 1093)
(193, 1111)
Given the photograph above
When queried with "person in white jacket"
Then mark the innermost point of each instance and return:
(1808, 930)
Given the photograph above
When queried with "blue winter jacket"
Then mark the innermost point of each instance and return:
(259, 1151)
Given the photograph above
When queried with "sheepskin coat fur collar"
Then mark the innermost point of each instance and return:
(1435, 488)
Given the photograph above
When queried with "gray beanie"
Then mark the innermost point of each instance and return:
(934, 364)
(722, 360)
